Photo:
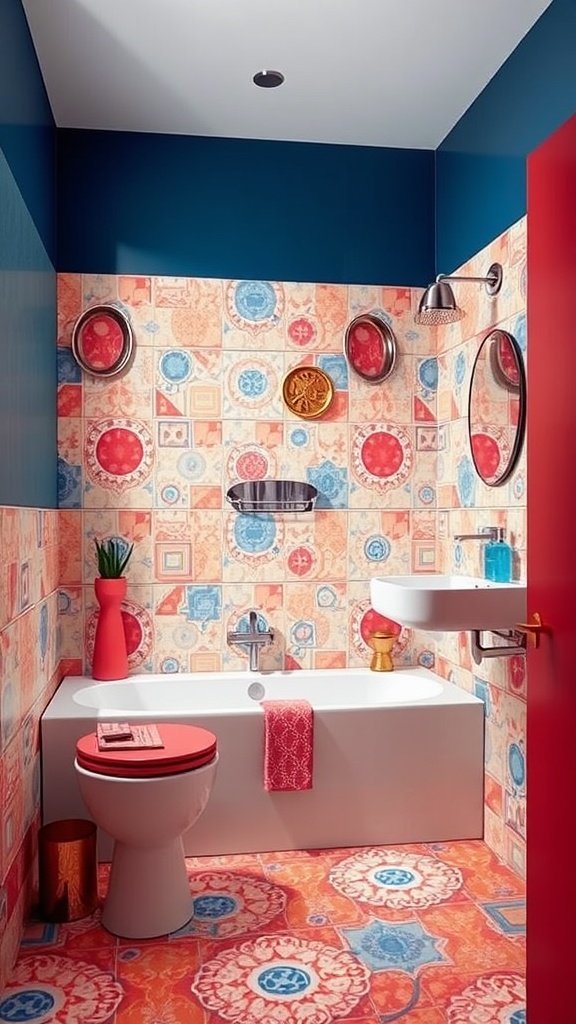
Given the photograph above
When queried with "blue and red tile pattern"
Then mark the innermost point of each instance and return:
(421, 934)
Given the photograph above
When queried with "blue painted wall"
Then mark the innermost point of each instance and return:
(179, 205)
(157, 204)
(27, 135)
(27, 277)
(160, 204)
(481, 165)
(27, 354)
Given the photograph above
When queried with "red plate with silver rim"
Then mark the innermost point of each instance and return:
(102, 341)
(370, 347)
(186, 747)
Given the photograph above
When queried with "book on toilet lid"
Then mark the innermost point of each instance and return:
(123, 736)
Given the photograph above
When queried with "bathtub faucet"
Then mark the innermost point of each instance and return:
(255, 638)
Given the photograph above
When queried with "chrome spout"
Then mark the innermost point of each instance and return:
(489, 533)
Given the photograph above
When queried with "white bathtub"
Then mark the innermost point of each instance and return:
(398, 757)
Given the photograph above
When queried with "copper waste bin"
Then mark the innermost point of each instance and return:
(68, 869)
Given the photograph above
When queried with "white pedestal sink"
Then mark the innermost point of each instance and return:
(449, 603)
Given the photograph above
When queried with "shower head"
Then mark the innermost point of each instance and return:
(438, 304)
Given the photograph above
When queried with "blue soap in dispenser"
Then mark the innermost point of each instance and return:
(498, 559)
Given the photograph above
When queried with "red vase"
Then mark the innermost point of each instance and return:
(110, 659)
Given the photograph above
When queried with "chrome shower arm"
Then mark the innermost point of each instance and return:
(492, 280)
(489, 533)
(489, 279)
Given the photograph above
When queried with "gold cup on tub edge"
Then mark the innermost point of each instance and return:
(382, 643)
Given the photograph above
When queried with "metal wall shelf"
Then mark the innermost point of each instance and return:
(272, 496)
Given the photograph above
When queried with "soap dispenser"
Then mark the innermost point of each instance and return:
(498, 559)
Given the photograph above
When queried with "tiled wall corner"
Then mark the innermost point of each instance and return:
(28, 677)
(465, 505)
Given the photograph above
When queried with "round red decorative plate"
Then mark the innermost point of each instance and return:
(102, 341)
(370, 347)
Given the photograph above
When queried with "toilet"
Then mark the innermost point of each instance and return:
(146, 800)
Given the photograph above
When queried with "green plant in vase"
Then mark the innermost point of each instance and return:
(112, 557)
(110, 657)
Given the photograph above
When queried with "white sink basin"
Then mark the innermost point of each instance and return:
(449, 602)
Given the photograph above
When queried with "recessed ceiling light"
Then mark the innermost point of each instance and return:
(268, 79)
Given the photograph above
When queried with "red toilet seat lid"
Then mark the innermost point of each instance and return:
(186, 747)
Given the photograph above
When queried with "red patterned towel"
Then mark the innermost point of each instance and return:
(288, 744)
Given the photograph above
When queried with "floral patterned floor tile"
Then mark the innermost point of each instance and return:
(480, 998)
(420, 934)
(471, 944)
(390, 879)
(227, 904)
(323, 933)
(397, 992)
(51, 987)
(508, 916)
(87, 933)
(484, 876)
(339, 853)
(493, 882)
(156, 983)
(285, 978)
(311, 899)
(150, 1008)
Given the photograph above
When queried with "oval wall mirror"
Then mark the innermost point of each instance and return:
(370, 347)
(102, 341)
(497, 407)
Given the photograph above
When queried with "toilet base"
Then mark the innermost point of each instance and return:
(149, 892)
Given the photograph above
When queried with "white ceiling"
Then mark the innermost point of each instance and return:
(362, 72)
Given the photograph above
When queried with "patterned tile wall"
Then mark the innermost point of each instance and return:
(148, 457)
(28, 678)
(465, 505)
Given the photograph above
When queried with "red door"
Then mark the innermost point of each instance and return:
(551, 741)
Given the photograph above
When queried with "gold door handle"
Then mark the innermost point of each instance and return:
(533, 630)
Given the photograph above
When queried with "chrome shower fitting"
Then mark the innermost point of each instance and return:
(488, 533)
(254, 638)
(438, 304)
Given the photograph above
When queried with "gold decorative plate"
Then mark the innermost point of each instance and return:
(308, 391)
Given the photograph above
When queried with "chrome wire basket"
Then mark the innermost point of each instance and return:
(272, 496)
